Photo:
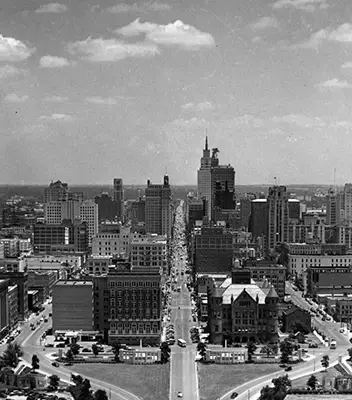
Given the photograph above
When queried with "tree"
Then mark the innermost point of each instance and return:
(100, 395)
(325, 361)
(69, 355)
(312, 382)
(116, 347)
(75, 348)
(350, 353)
(282, 383)
(35, 362)
(165, 352)
(202, 349)
(251, 347)
(11, 354)
(95, 349)
(85, 390)
(54, 381)
(286, 349)
(76, 379)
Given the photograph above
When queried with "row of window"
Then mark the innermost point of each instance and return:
(133, 283)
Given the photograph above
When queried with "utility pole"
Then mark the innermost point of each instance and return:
(249, 394)
(110, 393)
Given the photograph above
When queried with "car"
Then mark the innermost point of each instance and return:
(233, 395)
(342, 330)
(179, 394)
(85, 350)
(68, 364)
(288, 369)
(55, 364)
(313, 345)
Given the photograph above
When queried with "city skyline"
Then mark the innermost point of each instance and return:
(128, 89)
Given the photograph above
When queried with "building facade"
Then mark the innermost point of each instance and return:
(73, 306)
(278, 216)
(4, 308)
(149, 251)
(119, 198)
(20, 279)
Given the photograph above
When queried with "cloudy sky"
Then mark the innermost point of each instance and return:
(96, 89)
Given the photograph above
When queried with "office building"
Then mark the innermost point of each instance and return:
(21, 280)
(4, 308)
(138, 212)
(2, 250)
(258, 221)
(294, 209)
(223, 179)
(204, 180)
(196, 209)
(119, 198)
(11, 246)
(245, 211)
(128, 304)
(108, 209)
(158, 208)
(328, 280)
(89, 214)
(13, 306)
(213, 250)
(42, 282)
(112, 243)
(56, 191)
(98, 265)
(333, 207)
(278, 217)
(241, 311)
(149, 250)
(73, 306)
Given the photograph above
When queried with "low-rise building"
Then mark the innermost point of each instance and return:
(98, 265)
(11, 246)
(227, 355)
(43, 282)
(140, 356)
(73, 305)
(296, 318)
(20, 279)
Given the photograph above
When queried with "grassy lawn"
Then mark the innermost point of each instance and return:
(215, 379)
(329, 374)
(148, 381)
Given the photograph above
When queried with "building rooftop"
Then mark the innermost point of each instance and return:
(259, 201)
(74, 283)
(236, 289)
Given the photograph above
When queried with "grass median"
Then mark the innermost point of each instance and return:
(151, 382)
(217, 379)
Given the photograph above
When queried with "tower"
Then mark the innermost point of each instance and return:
(119, 197)
(278, 216)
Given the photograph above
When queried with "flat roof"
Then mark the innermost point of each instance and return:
(74, 283)
(259, 201)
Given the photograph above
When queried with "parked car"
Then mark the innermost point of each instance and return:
(233, 395)
(288, 369)
(55, 364)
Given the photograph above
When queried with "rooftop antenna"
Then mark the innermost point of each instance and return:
(206, 138)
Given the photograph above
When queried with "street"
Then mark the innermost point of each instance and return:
(183, 375)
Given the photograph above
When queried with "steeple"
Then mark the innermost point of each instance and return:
(206, 143)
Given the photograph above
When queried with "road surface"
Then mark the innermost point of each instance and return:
(183, 375)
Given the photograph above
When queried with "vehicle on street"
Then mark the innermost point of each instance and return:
(333, 344)
(55, 364)
(181, 342)
(233, 395)
(288, 369)
(179, 394)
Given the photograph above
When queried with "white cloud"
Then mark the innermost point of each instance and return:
(55, 99)
(51, 8)
(334, 83)
(108, 101)
(264, 23)
(15, 98)
(342, 34)
(347, 64)
(300, 120)
(7, 71)
(143, 7)
(53, 62)
(111, 49)
(13, 50)
(176, 33)
(189, 123)
(56, 117)
(203, 106)
(303, 5)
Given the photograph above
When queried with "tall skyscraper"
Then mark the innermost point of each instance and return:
(204, 175)
(278, 216)
(88, 213)
(119, 197)
(158, 208)
(56, 191)
(347, 198)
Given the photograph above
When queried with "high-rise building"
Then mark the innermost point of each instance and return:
(4, 308)
(89, 213)
(196, 209)
(225, 175)
(119, 197)
(258, 222)
(294, 209)
(278, 216)
(129, 304)
(158, 208)
(138, 212)
(204, 175)
(56, 191)
(108, 208)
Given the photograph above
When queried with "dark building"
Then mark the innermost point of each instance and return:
(196, 209)
(294, 209)
(108, 209)
(296, 318)
(56, 191)
(258, 221)
(240, 311)
(67, 237)
(138, 212)
(127, 304)
(4, 308)
(278, 217)
(21, 280)
(119, 197)
(213, 250)
(245, 211)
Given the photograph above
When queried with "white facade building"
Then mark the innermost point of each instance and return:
(150, 250)
(110, 243)
(88, 212)
(298, 263)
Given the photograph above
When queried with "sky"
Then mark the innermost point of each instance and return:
(91, 90)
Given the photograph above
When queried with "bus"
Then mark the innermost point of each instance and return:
(333, 344)
(181, 342)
